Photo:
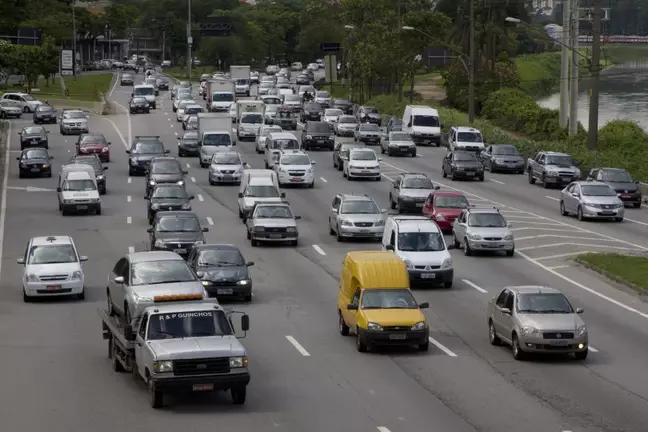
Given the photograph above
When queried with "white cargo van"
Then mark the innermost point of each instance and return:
(423, 124)
(77, 190)
(249, 174)
(146, 91)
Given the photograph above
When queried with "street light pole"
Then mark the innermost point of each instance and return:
(592, 137)
(74, 36)
(189, 40)
(471, 66)
(564, 64)
(575, 72)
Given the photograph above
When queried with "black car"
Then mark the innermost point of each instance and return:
(394, 125)
(311, 111)
(176, 231)
(302, 79)
(44, 114)
(164, 170)
(33, 136)
(127, 80)
(143, 149)
(342, 150)
(462, 164)
(163, 83)
(502, 157)
(95, 163)
(225, 270)
(317, 134)
(344, 105)
(167, 197)
(138, 104)
(621, 181)
(188, 144)
(34, 162)
(368, 114)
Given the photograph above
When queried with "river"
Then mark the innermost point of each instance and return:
(623, 95)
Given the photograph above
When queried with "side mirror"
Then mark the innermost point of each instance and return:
(313, 163)
(51, 157)
(389, 247)
(200, 274)
(437, 187)
(205, 229)
(58, 189)
(105, 168)
(178, 138)
(129, 334)
(46, 132)
(463, 224)
(119, 280)
(506, 311)
(146, 197)
(450, 247)
(245, 322)
(333, 210)
(185, 172)
(424, 305)
(379, 159)
(20, 260)
(297, 217)
(575, 194)
(240, 195)
(509, 225)
(83, 258)
(132, 94)
(149, 230)
(352, 307)
(108, 143)
(283, 195)
(167, 151)
(191, 197)
(127, 151)
(249, 264)
(18, 158)
(579, 310)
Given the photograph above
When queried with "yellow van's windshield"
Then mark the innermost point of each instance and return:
(388, 299)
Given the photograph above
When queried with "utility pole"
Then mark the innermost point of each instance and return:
(471, 66)
(595, 71)
(575, 71)
(163, 43)
(564, 64)
(74, 36)
(189, 41)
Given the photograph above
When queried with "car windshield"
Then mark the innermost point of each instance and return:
(359, 207)
(285, 144)
(190, 136)
(177, 224)
(366, 155)
(291, 98)
(174, 192)
(617, 176)
(188, 325)
(486, 220)
(223, 97)
(564, 161)
(160, 272)
(273, 212)
(347, 119)
(165, 167)
(597, 190)
(139, 100)
(388, 299)
(74, 115)
(449, 201)
(505, 151)
(193, 110)
(52, 254)
(242, 81)
(369, 127)
(93, 139)
(322, 94)
(426, 121)
(333, 112)
(400, 136)
(220, 258)
(144, 91)
(85, 185)
(35, 154)
(318, 127)
(261, 191)
(266, 84)
(469, 137)
(417, 183)
(148, 147)
(465, 157)
(371, 110)
(298, 159)
(44, 108)
(420, 242)
(216, 140)
(226, 159)
(34, 130)
(554, 303)
(252, 118)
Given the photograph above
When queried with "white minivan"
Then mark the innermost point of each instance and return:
(423, 124)
(77, 190)
(419, 242)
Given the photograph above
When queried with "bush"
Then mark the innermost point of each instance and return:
(539, 73)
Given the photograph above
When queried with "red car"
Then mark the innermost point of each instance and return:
(89, 144)
(444, 207)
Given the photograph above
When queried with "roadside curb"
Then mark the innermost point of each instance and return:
(637, 290)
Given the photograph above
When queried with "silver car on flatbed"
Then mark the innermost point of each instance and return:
(180, 348)
(536, 319)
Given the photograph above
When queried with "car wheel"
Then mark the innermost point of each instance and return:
(253, 242)
(620, 219)
(343, 328)
(127, 314)
(581, 217)
(492, 334)
(360, 345)
(510, 253)
(545, 184)
(531, 178)
(26, 298)
(481, 178)
(424, 346)
(238, 395)
(156, 397)
(636, 205)
(518, 354)
(414, 153)
(443, 173)
(455, 241)
(563, 212)
(467, 250)
(581, 355)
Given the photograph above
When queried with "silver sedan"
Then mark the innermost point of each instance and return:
(591, 200)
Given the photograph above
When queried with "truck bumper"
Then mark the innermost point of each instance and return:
(185, 384)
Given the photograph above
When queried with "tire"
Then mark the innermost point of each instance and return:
(467, 250)
(131, 171)
(116, 365)
(20, 174)
(456, 243)
(414, 155)
(424, 346)
(492, 335)
(582, 355)
(443, 173)
(636, 205)
(447, 285)
(127, 314)
(98, 211)
(247, 298)
(26, 298)
(253, 242)
(239, 395)
(545, 185)
(580, 214)
(111, 306)
(531, 178)
(81, 295)
(518, 354)
(563, 212)
(618, 219)
(156, 397)
(481, 178)
(342, 327)
(392, 204)
(510, 253)
(360, 345)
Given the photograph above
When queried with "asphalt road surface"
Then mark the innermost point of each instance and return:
(305, 376)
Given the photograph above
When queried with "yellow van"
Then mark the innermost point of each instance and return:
(375, 302)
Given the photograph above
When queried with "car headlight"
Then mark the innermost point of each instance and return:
(206, 283)
(582, 330)
(243, 282)
(409, 264)
(577, 173)
(152, 183)
(447, 263)
(159, 243)
(238, 362)
(309, 171)
(346, 223)
(406, 198)
(162, 366)
(291, 229)
(332, 137)
(374, 327)
(308, 137)
(180, 182)
(133, 160)
(100, 177)
(32, 278)
(474, 236)
(529, 330)
(380, 223)
(105, 150)
(77, 275)
(199, 242)
(552, 173)
(155, 206)
(419, 325)
(508, 237)
(23, 164)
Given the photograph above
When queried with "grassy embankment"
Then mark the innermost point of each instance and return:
(181, 72)
(81, 88)
(631, 271)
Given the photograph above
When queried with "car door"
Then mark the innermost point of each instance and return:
(428, 207)
(351, 316)
(487, 156)
(506, 320)
(576, 196)
(538, 167)
(568, 199)
(116, 289)
(447, 169)
(459, 228)
(500, 302)
(333, 216)
(140, 341)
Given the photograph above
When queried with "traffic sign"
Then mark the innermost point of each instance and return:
(330, 46)
(216, 26)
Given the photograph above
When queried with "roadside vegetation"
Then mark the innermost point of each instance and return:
(631, 271)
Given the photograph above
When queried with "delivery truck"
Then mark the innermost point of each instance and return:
(220, 94)
(241, 77)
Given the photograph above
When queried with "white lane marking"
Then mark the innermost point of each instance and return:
(323, 179)
(529, 223)
(131, 249)
(594, 350)
(188, 165)
(193, 179)
(210, 221)
(298, 346)
(559, 267)
(572, 244)
(200, 198)
(176, 133)
(565, 255)
(129, 219)
(66, 141)
(543, 229)
(130, 179)
(441, 347)
(497, 181)
(583, 287)
(635, 221)
(551, 198)
(128, 198)
(234, 130)
(474, 285)
(69, 151)
(115, 80)
(121, 137)
(387, 177)
(5, 180)
(171, 125)
(565, 237)
(319, 250)
(383, 429)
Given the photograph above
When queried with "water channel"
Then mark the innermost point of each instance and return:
(623, 95)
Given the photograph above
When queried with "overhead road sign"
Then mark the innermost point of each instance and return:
(330, 47)
(216, 26)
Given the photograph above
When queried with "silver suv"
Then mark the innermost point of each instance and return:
(484, 230)
(356, 216)
(410, 191)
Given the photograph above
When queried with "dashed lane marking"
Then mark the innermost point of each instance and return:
(565, 237)
(130, 179)
(565, 255)
(188, 165)
(474, 285)
(552, 198)
(128, 198)
(319, 250)
(442, 347)
(129, 220)
(131, 249)
(323, 179)
(497, 181)
(210, 221)
(594, 350)
(200, 198)
(383, 429)
(5, 181)
(193, 179)
(298, 346)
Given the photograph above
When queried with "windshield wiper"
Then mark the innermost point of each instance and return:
(226, 263)
(205, 334)
(548, 311)
(372, 307)
(161, 332)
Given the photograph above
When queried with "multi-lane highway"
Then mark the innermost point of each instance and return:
(305, 376)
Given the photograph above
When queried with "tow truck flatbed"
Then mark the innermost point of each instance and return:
(120, 349)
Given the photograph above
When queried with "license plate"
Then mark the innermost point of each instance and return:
(53, 287)
(275, 236)
(419, 204)
(607, 213)
(470, 173)
(228, 178)
(364, 230)
(203, 387)
(34, 141)
(320, 141)
(296, 179)
(560, 343)
(626, 196)
(35, 170)
(428, 276)
(365, 171)
(490, 246)
(398, 336)
(180, 251)
(224, 291)
(82, 207)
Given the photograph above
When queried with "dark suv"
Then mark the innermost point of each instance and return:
(317, 134)
(311, 111)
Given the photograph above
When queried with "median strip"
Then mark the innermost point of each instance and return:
(628, 270)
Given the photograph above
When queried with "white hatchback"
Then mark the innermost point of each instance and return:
(296, 168)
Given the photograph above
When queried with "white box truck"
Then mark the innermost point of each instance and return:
(241, 77)
(221, 93)
(214, 132)
(249, 106)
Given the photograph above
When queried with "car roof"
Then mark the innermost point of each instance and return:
(79, 175)
(281, 135)
(413, 174)
(216, 246)
(448, 193)
(613, 169)
(552, 153)
(138, 257)
(591, 183)
(261, 181)
(422, 109)
(483, 210)
(466, 129)
(51, 240)
(178, 214)
(164, 159)
(355, 197)
(415, 224)
(533, 289)
(181, 307)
